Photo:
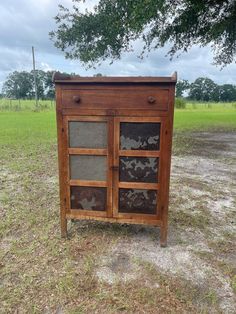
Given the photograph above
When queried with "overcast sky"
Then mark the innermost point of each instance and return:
(26, 23)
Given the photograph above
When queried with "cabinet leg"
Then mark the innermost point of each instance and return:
(163, 236)
(63, 227)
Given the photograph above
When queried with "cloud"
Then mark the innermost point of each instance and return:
(26, 23)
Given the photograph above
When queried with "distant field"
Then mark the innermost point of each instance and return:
(19, 121)
(205, 116)
(22, 105)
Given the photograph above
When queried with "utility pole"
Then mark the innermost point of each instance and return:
(35, 82)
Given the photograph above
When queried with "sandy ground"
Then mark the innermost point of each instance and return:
(201, 250)
(202, 224)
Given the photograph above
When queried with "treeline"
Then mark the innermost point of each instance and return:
(20, 85)
(204, 89)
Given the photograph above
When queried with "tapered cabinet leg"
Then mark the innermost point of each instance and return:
(63, 227)
(163, 237)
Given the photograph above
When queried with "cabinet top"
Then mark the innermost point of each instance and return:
(65, 78)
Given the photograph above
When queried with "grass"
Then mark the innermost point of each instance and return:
(17, 125)
(42, 273)
(24, 127)
(25, 105)
(199, 116)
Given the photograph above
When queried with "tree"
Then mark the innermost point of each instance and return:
(40, 82)
(110, 28)
(49, 85)
(18, 85)
(181, 87)
(21, 85)
(227, 92)
(45, 85)
(204, 89)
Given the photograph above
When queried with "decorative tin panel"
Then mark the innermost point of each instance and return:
(87, 134)
(139, 135)
(137, 201)
(86, 167)
(138, 169)
(88, 198)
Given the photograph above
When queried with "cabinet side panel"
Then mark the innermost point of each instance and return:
(166, 164)
(61, 162)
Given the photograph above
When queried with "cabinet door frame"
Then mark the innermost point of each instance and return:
(108, 152)
(137, 153)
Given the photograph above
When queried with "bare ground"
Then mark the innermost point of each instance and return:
(202, 215)
(112, 268)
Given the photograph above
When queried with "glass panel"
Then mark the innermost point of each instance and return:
(137, 201)
(138, 169)
(89, 198)
(86, 167)
(143, 136)
(88, 134)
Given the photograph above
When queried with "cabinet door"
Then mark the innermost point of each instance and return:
(89, 160)
(137, 162)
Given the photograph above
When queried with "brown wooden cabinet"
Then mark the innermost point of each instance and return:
(114, 148)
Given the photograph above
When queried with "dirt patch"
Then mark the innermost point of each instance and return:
(6, 243)
(118, 266)
(216, 143)
(179, 260)
(205, 144)
(207, 186)
(202, 211)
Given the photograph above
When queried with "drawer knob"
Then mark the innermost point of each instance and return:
(76, 99)
(151, 100)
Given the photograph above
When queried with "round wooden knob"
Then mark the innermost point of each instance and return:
(151, 100)
(76, 99)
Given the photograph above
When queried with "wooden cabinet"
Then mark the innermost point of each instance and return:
(114, 148)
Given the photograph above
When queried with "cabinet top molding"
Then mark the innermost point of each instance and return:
(65, 78)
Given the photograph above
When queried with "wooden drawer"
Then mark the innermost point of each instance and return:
(116, 98)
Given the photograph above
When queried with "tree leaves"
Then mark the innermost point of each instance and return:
(21, 85)
(112, 26)
(204, 89)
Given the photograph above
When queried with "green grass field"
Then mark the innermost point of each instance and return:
(205, 116)
(32, 129)
(20, 124)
